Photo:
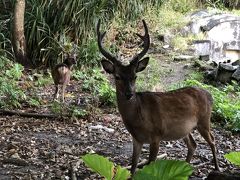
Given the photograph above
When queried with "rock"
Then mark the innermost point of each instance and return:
(184, 58)
(100, 127)
(225, 72)
(222, 34)
(202, 47)
(236, 74)
(166, 46)
(236, 63)
(204, 57)
(227, 67)
(166, 38)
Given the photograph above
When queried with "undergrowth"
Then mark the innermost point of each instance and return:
(12, 95)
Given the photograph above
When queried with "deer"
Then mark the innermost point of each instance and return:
(61, 74)
(151, 117)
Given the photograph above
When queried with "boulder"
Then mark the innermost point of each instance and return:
(184, 58)
(236, 74)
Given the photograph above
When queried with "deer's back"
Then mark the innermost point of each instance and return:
(171, 115)
(61, 74)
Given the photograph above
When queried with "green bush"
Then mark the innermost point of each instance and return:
(150, 77)
(182, 6)
(10, 93)
(96, 83)
(160, 169)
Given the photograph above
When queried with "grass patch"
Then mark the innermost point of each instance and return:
(150, 77)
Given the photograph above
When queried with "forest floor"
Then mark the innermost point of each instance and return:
(44, 148)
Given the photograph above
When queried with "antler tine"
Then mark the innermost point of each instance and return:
(100, 37)
(146, 44)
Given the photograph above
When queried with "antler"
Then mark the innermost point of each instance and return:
(146, 44)
(100, 37)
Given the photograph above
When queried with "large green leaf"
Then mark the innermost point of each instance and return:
(165, 170)
(121, 173)
(233, 157)
(100, 165)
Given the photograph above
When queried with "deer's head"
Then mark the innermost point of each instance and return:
(125, 75)
(70, 59)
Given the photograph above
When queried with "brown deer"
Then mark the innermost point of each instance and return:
(61, 74)
(154, 116)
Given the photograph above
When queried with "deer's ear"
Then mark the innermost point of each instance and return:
(107, 66)
(142, 64)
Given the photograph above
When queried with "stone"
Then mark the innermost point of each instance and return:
(225, 72)
(227, 67)
(202, 47)
(236, 74)
(222, 34)
(204, 57)
(184, 58)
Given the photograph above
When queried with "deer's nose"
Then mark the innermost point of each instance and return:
(128, 95)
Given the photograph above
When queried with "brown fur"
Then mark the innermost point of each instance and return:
(61, 74)
(151, 117)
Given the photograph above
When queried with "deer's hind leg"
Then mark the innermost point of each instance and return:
(191, 145)
(208, 136)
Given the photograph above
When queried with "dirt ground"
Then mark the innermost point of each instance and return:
(51, 148)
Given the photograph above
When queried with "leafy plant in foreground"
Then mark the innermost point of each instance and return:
(159, 170)
(233, 157)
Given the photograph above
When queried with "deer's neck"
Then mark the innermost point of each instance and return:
(128, 108)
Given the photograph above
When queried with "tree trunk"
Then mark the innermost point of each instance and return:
(19, 43)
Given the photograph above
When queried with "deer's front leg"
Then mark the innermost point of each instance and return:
(56, 93)
(63, 92)
(137, 148)
(154, 147)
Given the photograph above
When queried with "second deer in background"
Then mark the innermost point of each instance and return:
(61, 74)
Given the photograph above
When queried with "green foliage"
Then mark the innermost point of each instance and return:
(182, 6)
(233, 157)
(89, 53)
(222, 4)
(78, 112)
(150, 77)
(159, 170)
(97, 83)
(10, 94)
(34, 102)
(48, 24)
(121, 173)
(56, 107)
(165, 170)
(73, 110)
(104, 167)
(179, 43)
(42, 80)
